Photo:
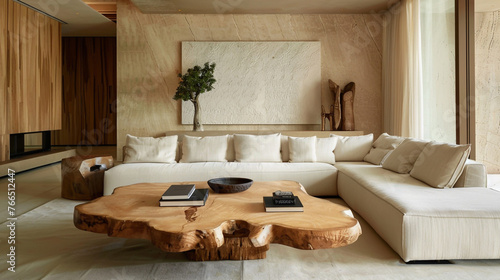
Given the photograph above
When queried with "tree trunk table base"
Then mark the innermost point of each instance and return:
(234, 248)
(229, 227)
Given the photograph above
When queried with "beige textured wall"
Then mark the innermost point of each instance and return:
(149, 58)
(488, 90)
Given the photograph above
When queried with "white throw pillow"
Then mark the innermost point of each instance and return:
(402, 159)
(285, 151)
(149, 149)
(440, 164)
(324, 149)
(204, 149)
(381, 147)
(353, 148)
(230, 148)
(302, 149)
(257, 148)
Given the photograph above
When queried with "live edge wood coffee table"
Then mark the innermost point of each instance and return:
(229, 226)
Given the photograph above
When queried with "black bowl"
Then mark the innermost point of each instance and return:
(229, 184)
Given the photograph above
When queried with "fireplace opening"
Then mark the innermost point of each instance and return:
(22, 144)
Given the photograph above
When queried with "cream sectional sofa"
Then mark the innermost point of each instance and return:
(418, 221)
(318, 178)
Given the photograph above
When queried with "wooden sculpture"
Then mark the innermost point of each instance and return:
(335, 90)
(341, 115)
(347, 97)
(326, 116)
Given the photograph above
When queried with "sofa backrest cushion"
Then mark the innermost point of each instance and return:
(285, 151)
(257, 148)
(324, 149)
(440, 164)
(302, 149)
(384, 144)
(204, 149)
(149, 149)
(353, 148)
(402, 159)
(230, 156)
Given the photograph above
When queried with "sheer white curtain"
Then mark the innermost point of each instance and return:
(402, 70)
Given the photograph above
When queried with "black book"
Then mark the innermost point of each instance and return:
(271, 207)
(175, 192)
(198, 198)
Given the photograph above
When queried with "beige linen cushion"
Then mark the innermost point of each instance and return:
(381, 148)
(204, 149)
(285, 151)
(149, 149)
(257, 148)
(440, 164)
(324, 149)
(352, 148)
(230, 148)
(302, 149)
(402, 159)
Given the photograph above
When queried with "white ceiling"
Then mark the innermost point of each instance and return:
(81, 19)
(84, 21)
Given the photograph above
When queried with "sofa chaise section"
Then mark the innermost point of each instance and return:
(420, 222)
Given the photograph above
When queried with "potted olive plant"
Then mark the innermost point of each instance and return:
(196, 81)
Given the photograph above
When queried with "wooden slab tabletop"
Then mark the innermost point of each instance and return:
(133, 212)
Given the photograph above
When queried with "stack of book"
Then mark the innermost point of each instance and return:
(283, 202)
(184, 195)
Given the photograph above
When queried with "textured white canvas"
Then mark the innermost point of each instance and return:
(257, 82)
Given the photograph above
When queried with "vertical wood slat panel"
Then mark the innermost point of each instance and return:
(89, 92)
(4, 137)
(56, 74)
(3, 67)
(33, 87)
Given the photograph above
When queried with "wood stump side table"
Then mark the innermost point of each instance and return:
(83, 176)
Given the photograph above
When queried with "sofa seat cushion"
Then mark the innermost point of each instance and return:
(319, 179)
(420, 222)
(411, 196)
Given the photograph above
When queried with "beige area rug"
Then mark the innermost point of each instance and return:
(48, 246)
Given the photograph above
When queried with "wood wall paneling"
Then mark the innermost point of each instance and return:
(34, 59)
(56, 74)
(3, 65)
(3, 82)
(30, 79)
(89, 92)
(4, 147)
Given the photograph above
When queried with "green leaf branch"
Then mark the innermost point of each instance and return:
(196, 81)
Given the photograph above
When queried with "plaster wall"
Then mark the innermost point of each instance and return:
(149, 59)
(488, 90)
